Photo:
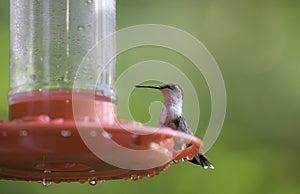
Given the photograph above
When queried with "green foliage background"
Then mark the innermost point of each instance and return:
(256, 44)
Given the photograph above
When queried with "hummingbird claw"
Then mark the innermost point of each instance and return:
(200, 159)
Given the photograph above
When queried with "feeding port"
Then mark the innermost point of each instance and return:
(63, 123)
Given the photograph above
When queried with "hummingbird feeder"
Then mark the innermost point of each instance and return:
(62, 123)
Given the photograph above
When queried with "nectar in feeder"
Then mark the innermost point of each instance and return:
(62, 101)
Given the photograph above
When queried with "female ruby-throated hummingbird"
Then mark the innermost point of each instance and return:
(171, 116)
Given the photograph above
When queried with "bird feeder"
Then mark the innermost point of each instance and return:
(62, 112)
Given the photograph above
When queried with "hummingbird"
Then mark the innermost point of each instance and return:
(171, 116)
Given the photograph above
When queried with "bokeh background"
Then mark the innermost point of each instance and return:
(256, 45)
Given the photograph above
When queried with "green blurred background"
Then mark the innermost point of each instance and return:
(256, 45)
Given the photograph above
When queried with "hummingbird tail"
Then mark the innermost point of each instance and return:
(200, 159)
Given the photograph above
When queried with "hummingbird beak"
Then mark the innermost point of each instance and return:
(153, 87)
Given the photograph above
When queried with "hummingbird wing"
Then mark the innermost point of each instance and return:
(182, 125)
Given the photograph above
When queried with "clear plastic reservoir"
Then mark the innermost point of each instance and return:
(59, 46)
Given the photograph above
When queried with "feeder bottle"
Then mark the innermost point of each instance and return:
(58, 46)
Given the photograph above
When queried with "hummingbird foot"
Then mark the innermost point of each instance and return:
(200, 159)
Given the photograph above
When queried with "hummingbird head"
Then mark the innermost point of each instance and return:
(173, 97)
(172, 92)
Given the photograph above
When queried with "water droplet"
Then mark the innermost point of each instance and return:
(43, 119)
(33, 77)
(92, 171)
(134, 177)
(137, 124)
(166, 167)
(151, 174)
(66, 133)
(80, 28)
(106, 135)
(86, 119)
(46, 183)
(47, 171)
(93, 181)
(103, 180)
(67, 101)
(134, 135)
(88, 2)
(58, 121)
(174, 162)
(184, 159)
(23, 133)
(93, 133)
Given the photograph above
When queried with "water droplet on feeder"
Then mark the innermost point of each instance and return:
(33, 77)
(93, 133)
(23, 133)
(86, 119)
(134, 135)
(134, 177)
(93, 181)
(66, 133)
(43, 119)
(174, 162)
(184, 159)
(151, 174)
(47, 171)
(166, 167)
(106, 135)
(58, 121)
(46, 183)
(88, 2)
(80, 28)
(92, 171)
(137, 124)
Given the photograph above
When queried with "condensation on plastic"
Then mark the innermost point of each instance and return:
(50, 38)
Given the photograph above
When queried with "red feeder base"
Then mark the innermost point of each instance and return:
(56, 147)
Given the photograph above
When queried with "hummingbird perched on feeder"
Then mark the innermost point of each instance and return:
(171, 116)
